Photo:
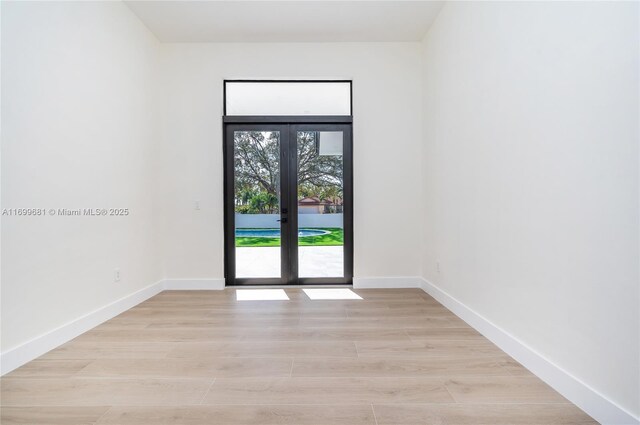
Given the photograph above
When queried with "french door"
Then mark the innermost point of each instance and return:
(288, 203)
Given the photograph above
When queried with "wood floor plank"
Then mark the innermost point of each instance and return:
(381, 322)
(417, 312)
(228, 312)
(397, 367)
(512, 389)
(102, 392)
(45, 368)
(173, 312)
(463, 333)
(451, 349)
(79, 349)
(516, 369)
(116, 324)
(412, 302)
(264, 349)
(185, 311)
(391, 294)
(224, 323)
(325, 334)
(161, 335)
(327, 391)
(289, 415)
(242, 415)
(199, 367)
(481, 414)
(56, 415)
(148, 415)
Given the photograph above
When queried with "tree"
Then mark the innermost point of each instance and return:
(244, 195)
(332, 194)
(257, 160)
(315, 169)
(257, 170)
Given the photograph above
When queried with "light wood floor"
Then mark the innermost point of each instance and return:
(190, 357)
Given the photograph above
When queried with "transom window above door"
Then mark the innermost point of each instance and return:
(299, 98)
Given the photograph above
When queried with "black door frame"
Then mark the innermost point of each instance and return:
(288, 127)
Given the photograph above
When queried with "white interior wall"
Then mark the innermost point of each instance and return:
(78, 117)
(386, 96)
(531, 178)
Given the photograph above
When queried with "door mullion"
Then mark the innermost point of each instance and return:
(285, 225)
(229, 211)
(293, 203)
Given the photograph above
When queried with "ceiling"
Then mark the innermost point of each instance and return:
(286, 21)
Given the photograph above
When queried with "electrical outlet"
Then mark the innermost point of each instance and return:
(196, 205)
(116, 275)
(438, 266)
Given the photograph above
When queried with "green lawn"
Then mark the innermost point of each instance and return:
(334, 237)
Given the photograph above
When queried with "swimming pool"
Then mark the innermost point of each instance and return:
(275, 233)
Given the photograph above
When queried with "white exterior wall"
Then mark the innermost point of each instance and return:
(265, 221)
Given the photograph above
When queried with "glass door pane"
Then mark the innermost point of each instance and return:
(320, 194)
(257, 204)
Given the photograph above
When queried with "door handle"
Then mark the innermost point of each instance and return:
(283, 220)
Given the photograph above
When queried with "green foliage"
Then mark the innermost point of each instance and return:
(244, 209)
(335, 237)
(263, 203)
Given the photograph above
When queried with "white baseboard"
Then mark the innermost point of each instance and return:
(592, 402)
(16, 357)
(387, 282)
(193, 284)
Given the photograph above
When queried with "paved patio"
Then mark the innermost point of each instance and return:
(314, 261)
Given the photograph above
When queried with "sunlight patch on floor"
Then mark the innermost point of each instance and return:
(331, 294)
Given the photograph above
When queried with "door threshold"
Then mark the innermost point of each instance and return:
(318, 285)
